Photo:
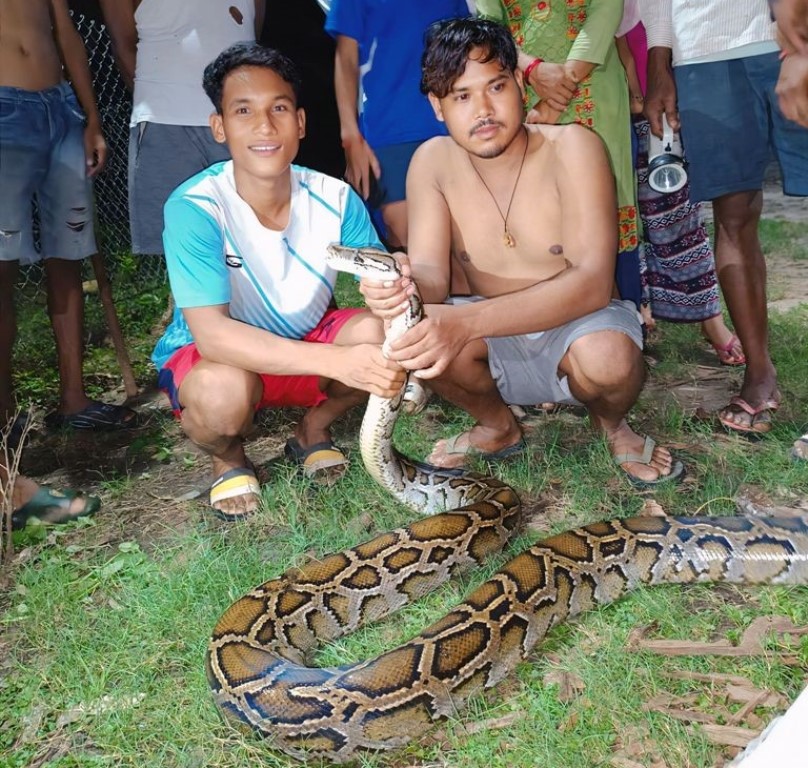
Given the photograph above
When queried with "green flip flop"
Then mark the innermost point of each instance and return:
(52, 506)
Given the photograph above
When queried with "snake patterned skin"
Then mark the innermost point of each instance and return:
(259, 650)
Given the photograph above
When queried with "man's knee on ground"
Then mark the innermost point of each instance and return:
(604, 360)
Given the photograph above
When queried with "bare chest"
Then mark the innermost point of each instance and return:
(505, 239)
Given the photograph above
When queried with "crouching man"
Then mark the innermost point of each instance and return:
(528, 214)
(256, 323)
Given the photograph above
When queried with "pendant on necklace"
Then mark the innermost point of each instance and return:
(508, 240)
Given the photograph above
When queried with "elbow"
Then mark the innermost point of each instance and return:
(600, 293)
(210, 344)
(206, 348)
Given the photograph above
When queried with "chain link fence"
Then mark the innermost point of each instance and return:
(115, 107)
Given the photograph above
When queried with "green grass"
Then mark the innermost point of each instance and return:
(104, 623)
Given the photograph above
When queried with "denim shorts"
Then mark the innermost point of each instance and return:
(161, 157)
(42, 158)
(732, 123)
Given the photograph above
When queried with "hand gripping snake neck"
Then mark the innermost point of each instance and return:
(257, 656)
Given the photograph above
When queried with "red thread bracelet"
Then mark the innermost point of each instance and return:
(530, 67)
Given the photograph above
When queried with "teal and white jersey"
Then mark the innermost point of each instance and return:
(217, 252)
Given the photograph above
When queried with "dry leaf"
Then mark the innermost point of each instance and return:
(495, 723)
(727, 735)
(751, 644)
(569, 686)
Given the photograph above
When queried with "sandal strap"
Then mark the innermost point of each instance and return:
(638, 458)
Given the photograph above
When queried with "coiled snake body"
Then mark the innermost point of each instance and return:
(257, 656)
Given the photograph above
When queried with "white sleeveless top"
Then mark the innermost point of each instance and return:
(177, 39)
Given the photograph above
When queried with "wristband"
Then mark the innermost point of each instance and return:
(530, 67)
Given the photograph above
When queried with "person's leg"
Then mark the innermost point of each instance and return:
(726, 344)
(390, 190)
(67, 238)
(161, 157)
(66, 310)
(741, 271)
(346, 329)
(23, 165)
(218, 403)
(727, 166)
(8, 333)
(605, 372)
(468, 384)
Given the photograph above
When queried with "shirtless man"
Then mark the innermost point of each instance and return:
(48, 149)
(528, 211)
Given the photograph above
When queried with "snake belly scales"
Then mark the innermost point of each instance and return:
(257, 656)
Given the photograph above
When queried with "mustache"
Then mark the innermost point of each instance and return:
(483, 124)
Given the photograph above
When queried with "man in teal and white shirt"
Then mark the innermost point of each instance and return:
(256, 323)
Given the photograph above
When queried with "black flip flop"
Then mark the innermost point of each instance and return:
(96, 416)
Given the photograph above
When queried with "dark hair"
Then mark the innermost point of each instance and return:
(449, 43)
(247, 55)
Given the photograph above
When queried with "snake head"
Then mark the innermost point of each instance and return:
(372, 263)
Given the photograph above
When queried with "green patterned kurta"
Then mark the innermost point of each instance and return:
(558, 30)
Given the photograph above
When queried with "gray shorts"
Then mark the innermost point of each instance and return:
(525, 367)
(161, 157)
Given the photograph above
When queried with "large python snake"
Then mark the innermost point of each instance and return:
(257, 656)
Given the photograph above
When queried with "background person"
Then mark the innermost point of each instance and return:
(379, 46)
(570, 63)
(716, 65)
(161, 48)
(51, 146)
(679, 280)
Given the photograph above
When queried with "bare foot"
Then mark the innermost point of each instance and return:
(484, 442)
(624, 441)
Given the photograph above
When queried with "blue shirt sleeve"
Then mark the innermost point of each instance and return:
(346, 17)
(357, 229)
(194, 246)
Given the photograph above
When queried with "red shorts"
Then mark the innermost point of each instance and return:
(279, 391)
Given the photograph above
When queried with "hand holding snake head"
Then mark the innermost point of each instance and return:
(388, 298)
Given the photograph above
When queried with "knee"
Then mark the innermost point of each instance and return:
(605, 360)
(363, 328)
(220, 396)
(735, 215)
(469, 362)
